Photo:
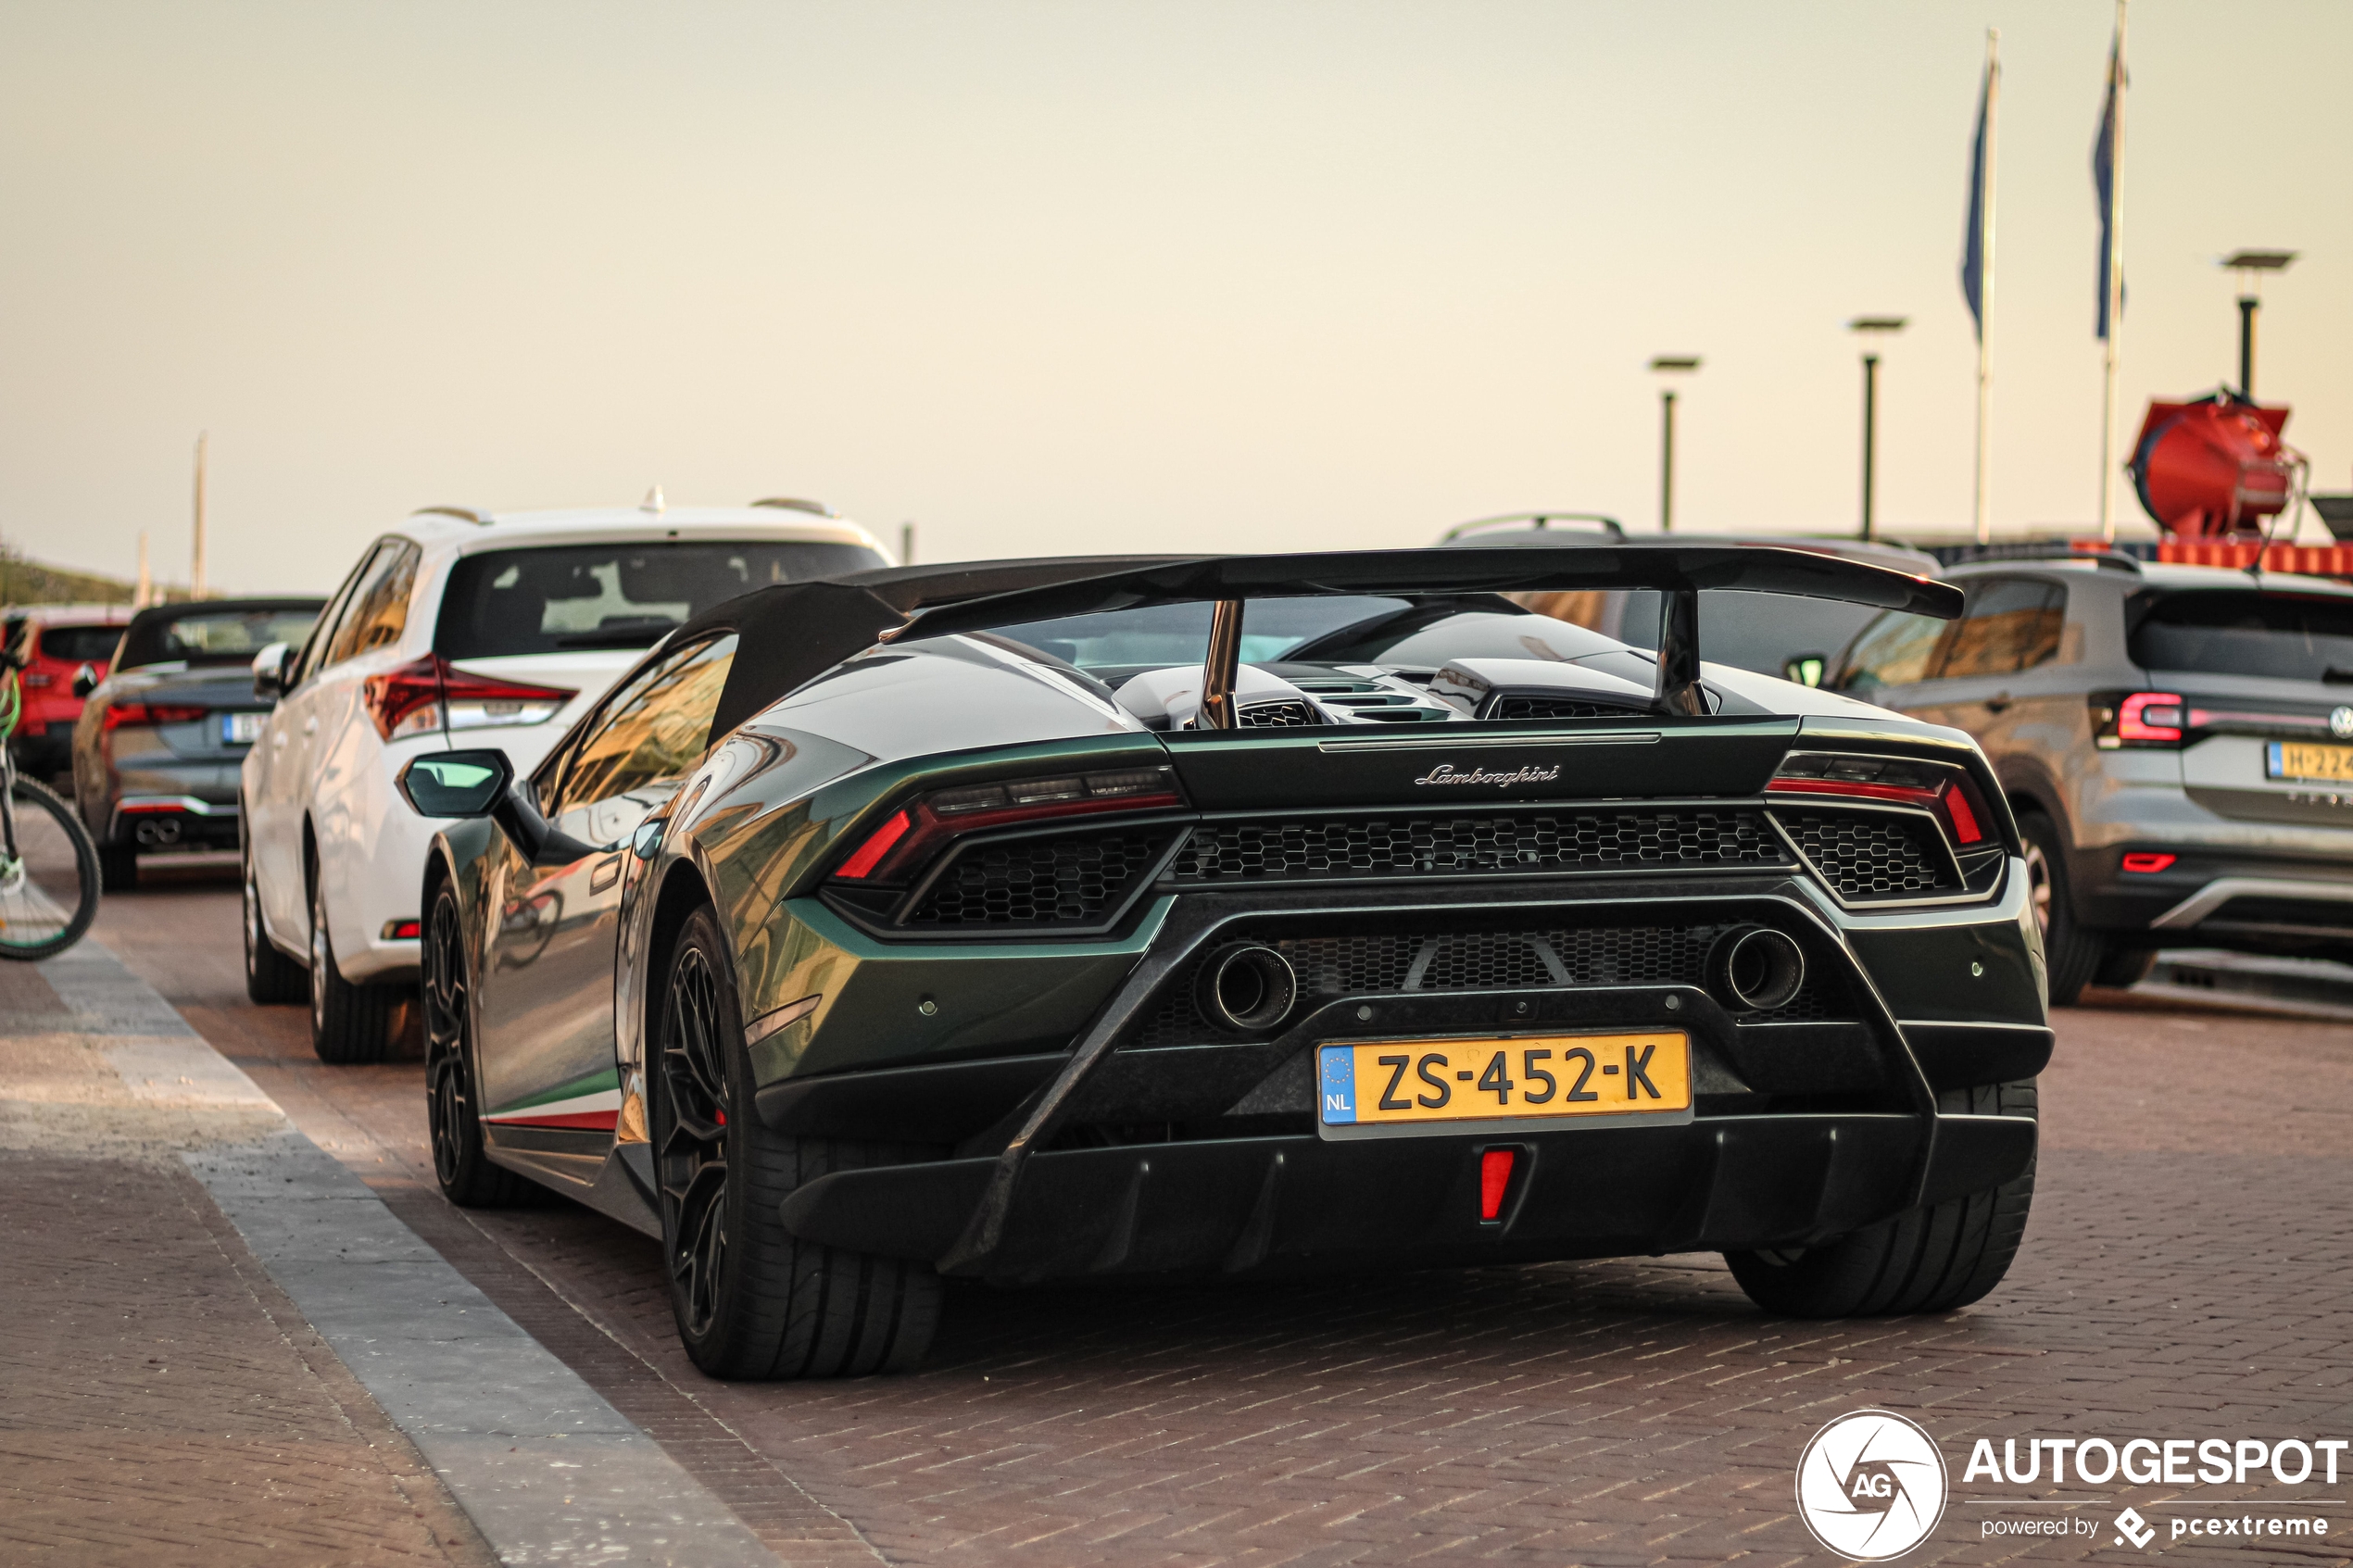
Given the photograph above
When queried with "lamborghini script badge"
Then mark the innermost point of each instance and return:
(1445, 773)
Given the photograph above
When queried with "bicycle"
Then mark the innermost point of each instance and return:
(48, 866)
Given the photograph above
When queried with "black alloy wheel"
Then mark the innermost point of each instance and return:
(753, 1300)
(459, 1160)
(693, 1150)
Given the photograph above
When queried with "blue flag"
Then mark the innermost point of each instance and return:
(2104, 175)
(1973, 244)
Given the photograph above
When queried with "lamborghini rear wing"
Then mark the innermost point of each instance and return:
(1678, 572)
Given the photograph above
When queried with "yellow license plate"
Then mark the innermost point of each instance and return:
(2303, 759)
(1377, 1082)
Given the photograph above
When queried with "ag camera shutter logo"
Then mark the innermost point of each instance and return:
(1870, 1486)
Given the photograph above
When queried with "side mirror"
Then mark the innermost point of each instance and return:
(455, 783)
(482, 783)
(270, 672)
(1807, 668)
(85, 681)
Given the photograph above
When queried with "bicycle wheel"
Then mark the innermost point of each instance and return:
(49, 888)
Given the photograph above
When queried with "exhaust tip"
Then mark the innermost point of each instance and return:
(1247, 988)
(1756, 968)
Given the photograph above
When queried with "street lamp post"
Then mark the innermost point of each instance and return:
(1872, 328)
(1668, 364)
(2250, 265)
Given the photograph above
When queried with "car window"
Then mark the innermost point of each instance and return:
(652, 729)
(314, 647)
(2247, 633)
(212, 632)
(79, 645)
(1749, 629)
(1895, 650)
(617, 596)
(2012, 623)
(379, 610)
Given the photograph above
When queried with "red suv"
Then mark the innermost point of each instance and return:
(65, 638)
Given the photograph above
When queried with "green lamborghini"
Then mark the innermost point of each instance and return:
(1239, 916)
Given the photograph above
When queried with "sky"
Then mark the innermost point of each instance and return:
(1046, 277)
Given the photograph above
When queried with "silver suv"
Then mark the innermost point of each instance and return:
(2175, 740)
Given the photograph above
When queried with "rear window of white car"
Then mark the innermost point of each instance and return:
(2287, 636)
(558, 597)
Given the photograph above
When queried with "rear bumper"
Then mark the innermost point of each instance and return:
(1277, 1205)
(2211, 897)
(159, 821)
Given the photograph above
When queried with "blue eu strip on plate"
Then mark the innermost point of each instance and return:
(1336, 1084)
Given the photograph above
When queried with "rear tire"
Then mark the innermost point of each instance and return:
(460, 1162)
(752, 1299)
(1932, 1259)
(349, 1024)
(2123, 968)
(271, 976)
(117, 867)
(2071, 954)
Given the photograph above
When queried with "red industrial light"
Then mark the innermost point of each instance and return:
(2213, 467)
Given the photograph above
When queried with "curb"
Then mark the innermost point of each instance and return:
(546, 1469)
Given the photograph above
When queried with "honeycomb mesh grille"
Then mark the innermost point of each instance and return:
(1530, 842)
(1869, 856)
(1278, 716)
(1072, 879)
(1373, 964)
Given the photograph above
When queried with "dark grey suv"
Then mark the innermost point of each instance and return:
(2176, 741)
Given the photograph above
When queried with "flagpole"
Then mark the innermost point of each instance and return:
(1985, 294)
(2115, 293)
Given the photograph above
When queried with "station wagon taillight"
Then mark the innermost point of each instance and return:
(432, 693)
(1895, 781)
(907, 836)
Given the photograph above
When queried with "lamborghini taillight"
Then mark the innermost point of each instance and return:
(1893, 780)
(907, 836)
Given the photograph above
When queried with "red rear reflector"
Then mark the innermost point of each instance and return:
(874, 849)
(1494, 1180)
(401, 930)
(2147, 865)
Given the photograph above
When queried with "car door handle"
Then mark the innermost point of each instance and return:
(608, 872)
(1998, 701)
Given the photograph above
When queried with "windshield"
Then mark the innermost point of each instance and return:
(1123, 642)
(1759, 631)
(620, 595)
(222, 635)
(2238, 633)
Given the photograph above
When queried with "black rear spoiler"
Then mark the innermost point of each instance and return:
(1678, 572)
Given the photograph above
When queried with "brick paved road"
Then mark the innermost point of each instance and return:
(2186, 1273)
(161, 1403)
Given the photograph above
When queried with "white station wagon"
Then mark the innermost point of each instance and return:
(461, 629)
